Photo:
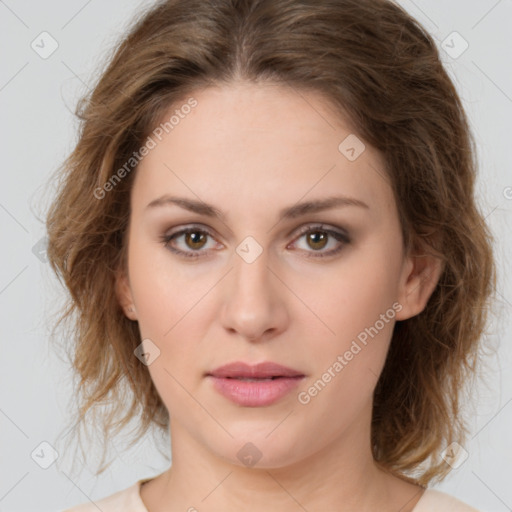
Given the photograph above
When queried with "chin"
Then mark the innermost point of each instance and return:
(255, 448)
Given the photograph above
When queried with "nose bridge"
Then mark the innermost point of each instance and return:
(251, 273)
(252, 303)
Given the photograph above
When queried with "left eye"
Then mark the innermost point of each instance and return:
(317, 238)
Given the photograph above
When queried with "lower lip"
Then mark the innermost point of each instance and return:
(255, 393)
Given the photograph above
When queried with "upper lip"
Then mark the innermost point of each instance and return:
(263, 370)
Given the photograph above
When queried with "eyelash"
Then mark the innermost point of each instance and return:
(341, 237)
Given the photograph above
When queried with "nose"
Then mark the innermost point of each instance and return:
(254, 301)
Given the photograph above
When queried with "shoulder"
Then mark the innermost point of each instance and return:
(439, 501)
(127, 500)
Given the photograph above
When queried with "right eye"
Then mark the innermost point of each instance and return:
(187, 242)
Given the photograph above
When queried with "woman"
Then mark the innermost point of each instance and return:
(270, 239)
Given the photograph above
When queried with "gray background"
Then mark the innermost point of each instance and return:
(37, 98)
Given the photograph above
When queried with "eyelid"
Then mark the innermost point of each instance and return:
(322, 227)
(188, 227)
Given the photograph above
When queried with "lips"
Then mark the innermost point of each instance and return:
(254, 385)
(267, 370)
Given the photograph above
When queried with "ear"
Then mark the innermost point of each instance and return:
(124, 295)
(421, 272)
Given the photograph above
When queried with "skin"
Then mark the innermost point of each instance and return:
(251, 150)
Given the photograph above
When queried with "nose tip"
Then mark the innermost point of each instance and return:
(253, 307)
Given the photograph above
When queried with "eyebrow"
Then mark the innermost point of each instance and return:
(290, 212)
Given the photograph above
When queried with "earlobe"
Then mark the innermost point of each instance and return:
(124, 295)
(420, 277)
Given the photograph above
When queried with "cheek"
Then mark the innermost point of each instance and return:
(170, 310)
(357, 303)
(171, 320)
(164, 293)
(352, 295)
(346, 367)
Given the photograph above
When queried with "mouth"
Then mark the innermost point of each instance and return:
(254, 385)
(261, 371)
(258, 379)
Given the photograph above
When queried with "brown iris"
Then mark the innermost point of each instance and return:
(317, 239)
(195, 239)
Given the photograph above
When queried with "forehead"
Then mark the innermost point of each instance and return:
(259, 143)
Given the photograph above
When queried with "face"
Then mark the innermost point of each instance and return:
(256, 278)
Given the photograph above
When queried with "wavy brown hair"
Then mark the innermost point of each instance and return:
(379, 68)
